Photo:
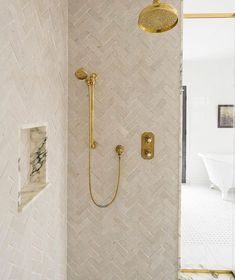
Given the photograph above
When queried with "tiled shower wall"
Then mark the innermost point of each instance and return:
(33, 79)
(138, 89)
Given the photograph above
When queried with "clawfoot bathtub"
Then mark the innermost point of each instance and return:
(220, 169)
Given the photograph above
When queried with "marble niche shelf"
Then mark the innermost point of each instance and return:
(32, 163)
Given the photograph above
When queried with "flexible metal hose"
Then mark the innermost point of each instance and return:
(116, 189)
(92, 144)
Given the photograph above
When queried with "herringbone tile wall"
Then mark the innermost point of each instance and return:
(138, 89)
(33, 81)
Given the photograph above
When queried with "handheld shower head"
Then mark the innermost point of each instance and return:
(81, 74)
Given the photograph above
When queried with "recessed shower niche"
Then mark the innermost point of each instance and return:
(32, 163)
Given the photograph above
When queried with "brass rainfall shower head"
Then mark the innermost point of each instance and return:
(158, 17)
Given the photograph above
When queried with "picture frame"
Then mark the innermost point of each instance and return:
(226, 116)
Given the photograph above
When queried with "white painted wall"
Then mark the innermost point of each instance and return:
(209, 83)
(208, 73)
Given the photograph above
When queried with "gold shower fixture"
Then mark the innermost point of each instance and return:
(81, 74)
(209, 15)
(158, 17)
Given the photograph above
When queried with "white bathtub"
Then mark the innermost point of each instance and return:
(220, 169)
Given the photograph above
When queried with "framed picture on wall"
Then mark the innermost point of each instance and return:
(226, 116)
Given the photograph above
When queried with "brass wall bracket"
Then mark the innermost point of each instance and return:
(147, 145)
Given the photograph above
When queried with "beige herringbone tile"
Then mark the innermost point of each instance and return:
(137, 90)
(33, 78)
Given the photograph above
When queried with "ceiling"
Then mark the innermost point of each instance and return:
(209, 38)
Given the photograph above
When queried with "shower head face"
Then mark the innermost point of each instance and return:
(81, 74)
(158, 17)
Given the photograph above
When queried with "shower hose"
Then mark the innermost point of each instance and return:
(116, 188)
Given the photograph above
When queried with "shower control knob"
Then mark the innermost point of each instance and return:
(148, 153)
(148, 139)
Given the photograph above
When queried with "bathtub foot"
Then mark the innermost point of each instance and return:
(213, 187)
(228, 195)
(225, 195)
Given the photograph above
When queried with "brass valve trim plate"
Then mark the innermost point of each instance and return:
(147, 145)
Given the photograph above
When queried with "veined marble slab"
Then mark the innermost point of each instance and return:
(205, 276)
(32, 163)
(38, 155)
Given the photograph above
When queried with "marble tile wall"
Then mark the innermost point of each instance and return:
(138, 89)
(33, 79)
(139, 83)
